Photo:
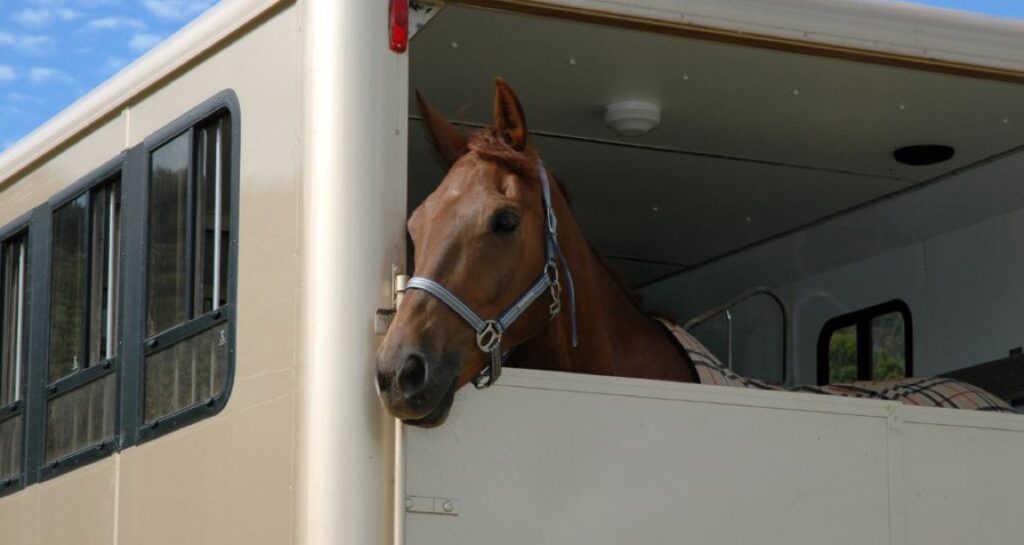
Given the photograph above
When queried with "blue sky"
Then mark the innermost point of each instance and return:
(54, 51)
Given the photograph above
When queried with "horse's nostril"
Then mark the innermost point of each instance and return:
(383, 381)
(413, 375)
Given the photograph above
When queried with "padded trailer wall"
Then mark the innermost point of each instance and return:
(951, 250)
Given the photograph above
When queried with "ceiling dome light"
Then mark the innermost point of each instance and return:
(632, 117)
(923, 154)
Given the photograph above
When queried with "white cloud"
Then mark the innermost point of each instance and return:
(33, 17)
(143, 41)
(66, 14)
(15, 96)
(40, 74)
(6, 73)
(27, 42)
(114, 64)
(32, 43)
(177, 9)
(115, 23)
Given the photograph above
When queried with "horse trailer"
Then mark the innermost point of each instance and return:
(199, 259)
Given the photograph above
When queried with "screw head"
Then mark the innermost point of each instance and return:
(448, 506)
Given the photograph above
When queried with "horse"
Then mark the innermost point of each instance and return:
(496, 239)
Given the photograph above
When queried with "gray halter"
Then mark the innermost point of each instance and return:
(488, 332)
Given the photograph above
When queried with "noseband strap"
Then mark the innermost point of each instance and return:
(488, 332)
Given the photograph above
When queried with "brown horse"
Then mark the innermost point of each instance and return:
(492, 258)
(481, 235)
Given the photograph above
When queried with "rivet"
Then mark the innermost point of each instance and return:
(151, 343)
(1006, 121)
(572, 61)
(655, 208)
(686, 77)
(408, 503)
(448, 506)
(796, 92)
(902, 106)
(749, 219)
(52, 389)
(455, 45)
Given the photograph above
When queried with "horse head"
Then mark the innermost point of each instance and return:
(482, 239)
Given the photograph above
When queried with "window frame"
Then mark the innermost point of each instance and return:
(224, 103)
(49, 391)
(862, 319)
(129, 361)
(22, 226)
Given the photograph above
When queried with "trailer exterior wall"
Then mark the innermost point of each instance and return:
(227, 479)
(353, 233)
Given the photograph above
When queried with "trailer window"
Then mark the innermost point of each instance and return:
(84, 334)
(870, 344)
(189, 234)
(13, 307)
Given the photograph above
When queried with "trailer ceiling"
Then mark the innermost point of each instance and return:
(752, 142)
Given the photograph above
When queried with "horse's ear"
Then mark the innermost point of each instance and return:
(448, 141)
(509, 120)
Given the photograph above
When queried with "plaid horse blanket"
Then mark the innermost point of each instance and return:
(923, 391)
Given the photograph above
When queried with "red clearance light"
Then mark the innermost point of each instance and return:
(398, 24)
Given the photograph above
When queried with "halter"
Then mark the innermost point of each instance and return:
(488, 332)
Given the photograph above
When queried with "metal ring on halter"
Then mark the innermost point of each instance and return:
(489, 337)
(551, 271)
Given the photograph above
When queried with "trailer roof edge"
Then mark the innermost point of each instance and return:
(879, 31)
(203, 34)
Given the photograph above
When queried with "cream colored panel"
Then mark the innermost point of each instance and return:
(548, 458)
(963, 483)
(264, 69)
(17, 517)
(225, 480)
(61, 170)
(77, 508)
(228, 479)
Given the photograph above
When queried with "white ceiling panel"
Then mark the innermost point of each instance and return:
(752, 142)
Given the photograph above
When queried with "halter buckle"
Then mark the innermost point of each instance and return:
(551, 270)
(488, 338)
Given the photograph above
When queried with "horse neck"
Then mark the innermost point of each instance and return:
(615, 337)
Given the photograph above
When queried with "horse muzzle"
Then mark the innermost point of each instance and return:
(413, 388)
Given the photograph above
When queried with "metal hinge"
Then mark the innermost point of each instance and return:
(383, 317)
(429, 504)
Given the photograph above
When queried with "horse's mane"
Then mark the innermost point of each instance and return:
(489, 144)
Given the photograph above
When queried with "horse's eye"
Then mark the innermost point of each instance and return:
(505, 223)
